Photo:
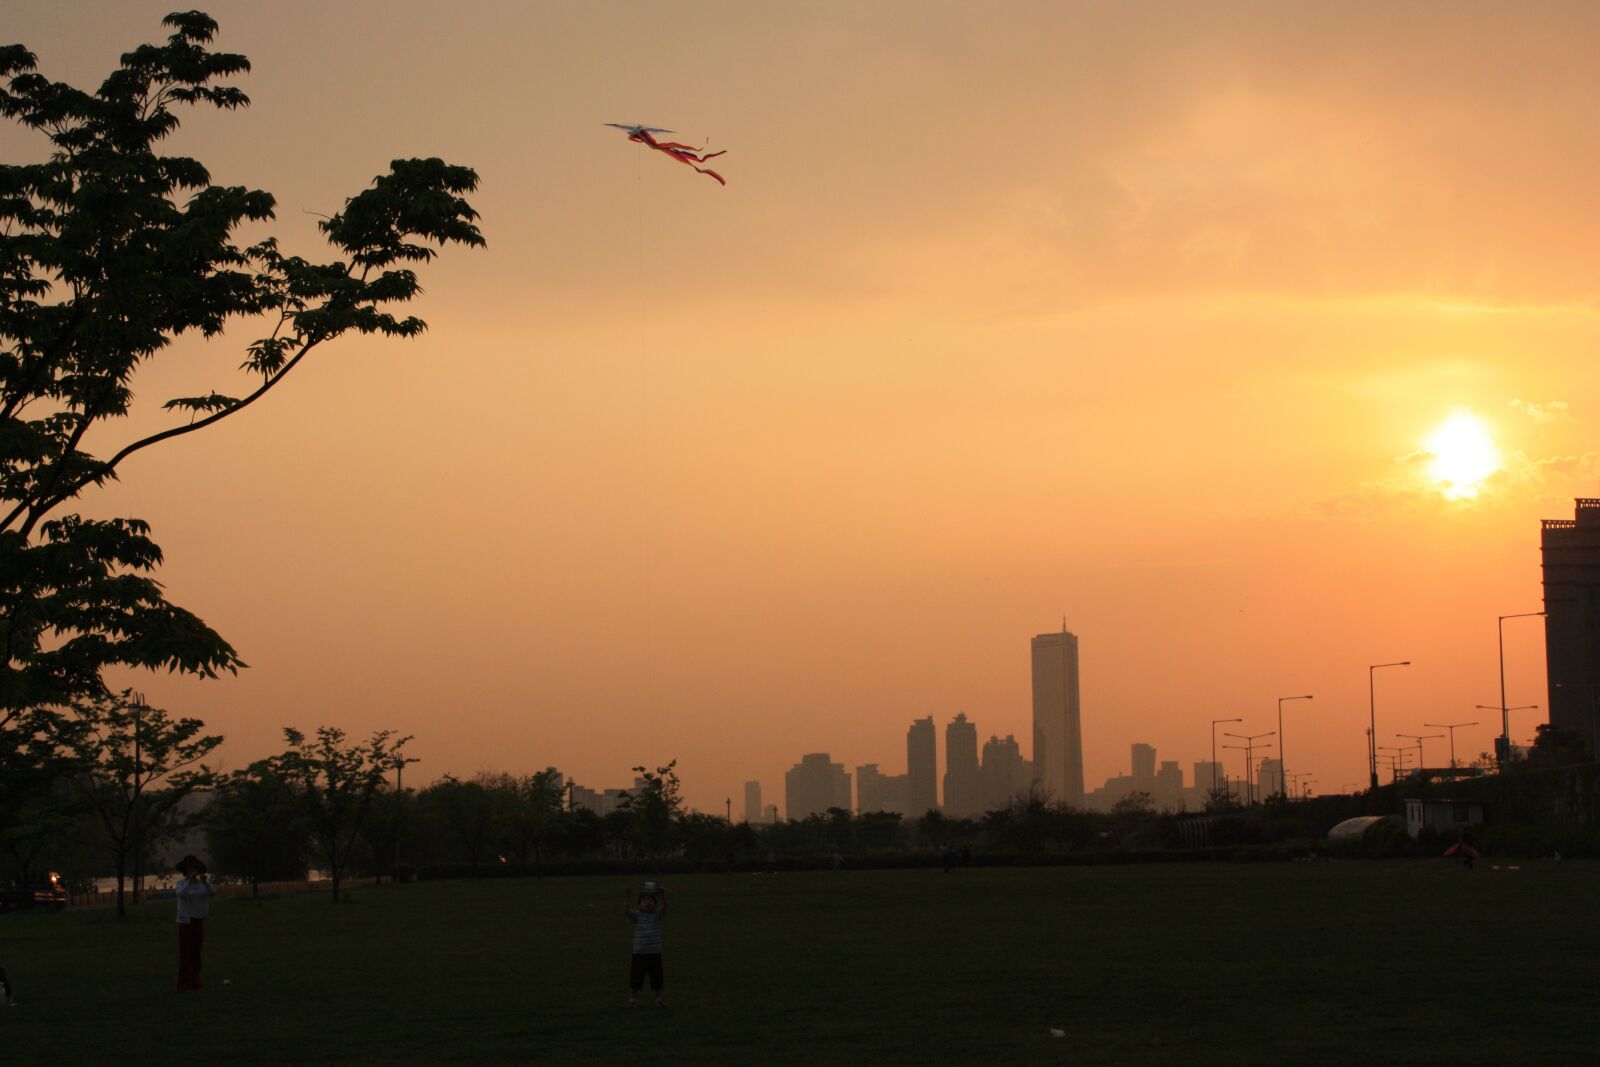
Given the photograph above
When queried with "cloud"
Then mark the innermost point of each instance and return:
(1521, 477)
(1555, 411)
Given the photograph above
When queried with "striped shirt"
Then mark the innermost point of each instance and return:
(646, 931)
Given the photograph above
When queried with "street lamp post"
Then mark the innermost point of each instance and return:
(1243, 794)
(1452, 727)
(1504, 744)
(1283, 764)
(1505, 740)
(1214, 750)
(1249, 747)
(1372, 715)
(1397, 761)
(1422, 763)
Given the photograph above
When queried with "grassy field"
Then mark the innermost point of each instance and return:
(1186, 964)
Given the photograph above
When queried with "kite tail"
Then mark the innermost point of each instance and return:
(714, 174)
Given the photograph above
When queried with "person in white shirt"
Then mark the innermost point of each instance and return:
(193, 893)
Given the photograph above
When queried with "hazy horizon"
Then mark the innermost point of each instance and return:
(1140, 316)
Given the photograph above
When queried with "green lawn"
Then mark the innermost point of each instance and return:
(1183, 964)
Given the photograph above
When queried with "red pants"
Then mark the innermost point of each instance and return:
(191, 935)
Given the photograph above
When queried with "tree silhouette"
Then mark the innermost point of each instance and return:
(133, 766)
(109, 250)
(336, 783)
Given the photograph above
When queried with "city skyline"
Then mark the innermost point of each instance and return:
(1259, 342)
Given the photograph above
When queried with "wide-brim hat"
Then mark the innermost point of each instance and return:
(189, 861)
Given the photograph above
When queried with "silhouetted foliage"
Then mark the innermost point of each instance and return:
(1557, 746)
(110, 250)
(132, 765)
(655, 808)
(257, 825)
(336, 783)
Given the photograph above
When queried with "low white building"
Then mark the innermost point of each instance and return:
(1442, 816)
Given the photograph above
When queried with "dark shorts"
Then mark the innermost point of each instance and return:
(646, 964)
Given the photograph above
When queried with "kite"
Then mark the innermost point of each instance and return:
(688, 155)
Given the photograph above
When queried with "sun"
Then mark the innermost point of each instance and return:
(1463, 456)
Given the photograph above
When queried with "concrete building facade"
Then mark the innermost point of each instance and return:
(876, 791)
(752, 802)
(814, 785)
(1005, 772)
(1057, 721)
(922, 768)
(1571, 560)
(963, 785)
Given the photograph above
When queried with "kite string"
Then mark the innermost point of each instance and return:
(648, 628)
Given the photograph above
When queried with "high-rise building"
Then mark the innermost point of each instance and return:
(752, 802)
(769, 814)
(876, 791)
(1168, 793)
(1005, 772)
(814, 785)
(922, 768)
(1144, 762)
(963, 788)
(1057, 730)
(1571, 550)
(1208, 776)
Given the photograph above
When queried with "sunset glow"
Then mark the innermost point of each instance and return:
(1463, 456)
(1229, 337)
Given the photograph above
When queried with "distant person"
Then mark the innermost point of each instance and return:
(1462, 850)
(7, 998)
(947, 857)
(838, 861)
(647, 919)
(193, 893)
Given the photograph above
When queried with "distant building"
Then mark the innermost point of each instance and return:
(1057, 727)
(922, 768)
(1168, 793)
(752, 802)
(769, 815)
(1208, 776)
(1571, 551)
(1005, 773)
(814, 785)
(1144, 762)
(963, 787)
(1269, 780)
(601, 802)
(876, 791)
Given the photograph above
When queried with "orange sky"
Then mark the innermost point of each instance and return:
(1132, 314)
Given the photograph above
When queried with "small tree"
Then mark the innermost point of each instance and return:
(336, 783)
(468, 812)
(133, 766)
(257, 824)
(533, 814)
(656, 808)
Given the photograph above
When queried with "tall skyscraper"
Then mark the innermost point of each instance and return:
(963, 788)
(922, 768)
(814, 785)
(1005, 772)
(1571, 550)
(752, 802)
(1057, 731)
